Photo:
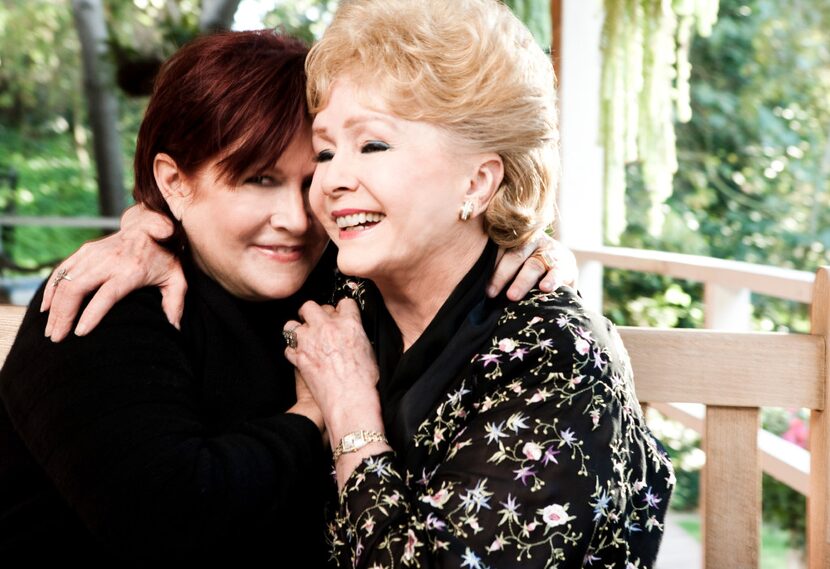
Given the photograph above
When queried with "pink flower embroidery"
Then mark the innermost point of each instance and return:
(507, 345)
(532, 451)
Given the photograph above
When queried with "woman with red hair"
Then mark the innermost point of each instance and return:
(141, 444)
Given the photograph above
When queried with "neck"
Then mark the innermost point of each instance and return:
(413, 298)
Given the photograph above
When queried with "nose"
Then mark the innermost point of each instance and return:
(291, 213)
(337, 175)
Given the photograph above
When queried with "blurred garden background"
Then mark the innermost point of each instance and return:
(752, 151)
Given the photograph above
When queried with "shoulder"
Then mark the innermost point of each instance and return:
(553, 333)
(135, 321)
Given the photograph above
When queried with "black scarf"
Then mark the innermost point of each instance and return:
(412, 382)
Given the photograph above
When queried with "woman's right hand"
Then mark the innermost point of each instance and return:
(115, 265)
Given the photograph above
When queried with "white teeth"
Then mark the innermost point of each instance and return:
(356, 219)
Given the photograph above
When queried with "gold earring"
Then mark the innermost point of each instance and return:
(466, 210)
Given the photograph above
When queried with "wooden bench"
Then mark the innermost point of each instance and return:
(733, 374)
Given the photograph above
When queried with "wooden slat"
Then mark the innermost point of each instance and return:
(60, 221)
(738, 369)
(818, 513)
(763, 279)
(783, 460)
(10, 318)
(731, 498)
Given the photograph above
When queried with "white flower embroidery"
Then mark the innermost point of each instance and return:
(532, 451)
(555, 515)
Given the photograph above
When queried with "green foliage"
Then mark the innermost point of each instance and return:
(39, 69)
(755, 158)
(536, 16)
(303, 18)
(645, 84)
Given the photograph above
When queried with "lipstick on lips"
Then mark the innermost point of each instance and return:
(282, 253)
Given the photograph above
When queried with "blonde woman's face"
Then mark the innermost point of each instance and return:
(387, 190)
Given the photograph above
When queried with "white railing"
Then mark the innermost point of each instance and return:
(728, 286)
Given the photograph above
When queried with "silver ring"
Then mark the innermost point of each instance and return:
(63, 275)
(291, 337)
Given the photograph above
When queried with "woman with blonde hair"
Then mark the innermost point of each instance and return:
(466, 431)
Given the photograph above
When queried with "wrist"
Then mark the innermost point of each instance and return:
(356, 440)
(348, 416)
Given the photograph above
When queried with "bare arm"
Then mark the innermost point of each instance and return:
(115, 265)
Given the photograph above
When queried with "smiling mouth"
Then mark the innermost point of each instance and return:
(359, 221)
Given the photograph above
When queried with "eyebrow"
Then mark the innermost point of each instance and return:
(351, 122)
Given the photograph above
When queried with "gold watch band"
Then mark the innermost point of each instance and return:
(356, 440)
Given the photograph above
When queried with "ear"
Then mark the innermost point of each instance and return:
(172, 184)
(485, 181)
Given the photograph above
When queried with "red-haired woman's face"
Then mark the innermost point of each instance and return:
(257, 239)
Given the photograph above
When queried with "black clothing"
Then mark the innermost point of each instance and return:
(141, 445)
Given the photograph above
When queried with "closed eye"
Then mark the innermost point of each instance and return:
(374, 146)
(324, 156)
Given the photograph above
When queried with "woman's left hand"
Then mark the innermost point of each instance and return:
(526, 265)
(336, 360)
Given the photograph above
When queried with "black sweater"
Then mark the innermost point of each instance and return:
(142, 445)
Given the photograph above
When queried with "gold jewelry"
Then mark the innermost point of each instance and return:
(544, 258)
(63, 275)
(356, 440)
(290, 337)
(466, 210)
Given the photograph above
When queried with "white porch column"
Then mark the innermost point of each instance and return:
(581, 193)
(727, 308)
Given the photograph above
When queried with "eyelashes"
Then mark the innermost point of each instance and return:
(323, 156)
(368, 148)
(374, 146)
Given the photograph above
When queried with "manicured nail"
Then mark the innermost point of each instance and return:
(491, 291)
(80, 330)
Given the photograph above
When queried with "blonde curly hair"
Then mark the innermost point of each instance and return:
(467, 66)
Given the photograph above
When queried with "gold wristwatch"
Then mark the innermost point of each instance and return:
(356, 440)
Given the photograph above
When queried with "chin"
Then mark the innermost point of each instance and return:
(353, 265)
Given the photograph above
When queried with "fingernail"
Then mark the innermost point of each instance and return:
(491, 291)
(81, 330)
(48, 331)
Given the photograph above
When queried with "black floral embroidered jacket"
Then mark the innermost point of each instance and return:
(537, 455)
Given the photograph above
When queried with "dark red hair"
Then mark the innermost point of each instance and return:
(236, 94)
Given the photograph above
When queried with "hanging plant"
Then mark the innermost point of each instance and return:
(644, 87)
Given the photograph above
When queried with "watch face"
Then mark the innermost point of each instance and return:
(353, 441)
